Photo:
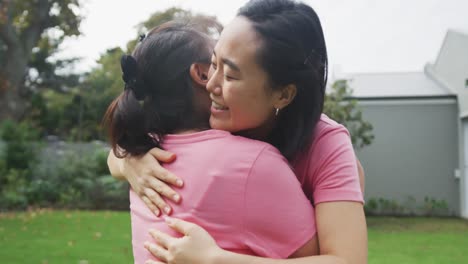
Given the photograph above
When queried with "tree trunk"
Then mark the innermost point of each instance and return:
(13, 101)
(12, 106)
(13, 97)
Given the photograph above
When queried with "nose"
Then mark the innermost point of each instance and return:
(214, 83)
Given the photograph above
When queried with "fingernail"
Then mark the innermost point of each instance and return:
(156, 212)
(167, 210)
(176, 197)
(179, 183)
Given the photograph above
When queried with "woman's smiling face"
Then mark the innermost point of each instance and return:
(239, 87)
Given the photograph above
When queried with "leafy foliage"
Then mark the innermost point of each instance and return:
(78, 178)
(70, 176)
(30, 34)
(346, 111)
(18, 156)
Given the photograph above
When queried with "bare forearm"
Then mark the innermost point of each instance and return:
(227, 257)
(115, 165)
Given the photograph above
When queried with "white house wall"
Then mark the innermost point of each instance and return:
(415, 152)
(451, 67)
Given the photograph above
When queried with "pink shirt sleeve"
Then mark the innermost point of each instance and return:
(333, 167)
(279, 219)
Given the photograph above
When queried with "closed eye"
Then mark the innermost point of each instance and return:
(229, 78)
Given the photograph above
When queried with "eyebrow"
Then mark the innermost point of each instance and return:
(229, 63)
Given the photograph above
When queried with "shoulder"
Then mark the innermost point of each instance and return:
(329, 140)
(328, 127)
(272, 167)
(328, 170)
(243, 152)
(328, 137)
(256, 147)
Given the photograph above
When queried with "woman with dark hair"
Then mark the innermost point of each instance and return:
(278, 46)
(165, 105)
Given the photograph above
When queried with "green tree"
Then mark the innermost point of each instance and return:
(101, 86)
(75, 115)
(207, 24)
(346, 111)
(30, 33)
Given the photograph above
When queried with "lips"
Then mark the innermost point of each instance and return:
(217, 106)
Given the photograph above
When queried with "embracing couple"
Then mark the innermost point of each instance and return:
(252, 172)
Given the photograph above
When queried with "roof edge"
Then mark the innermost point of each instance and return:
(382, 98)
(430, 72)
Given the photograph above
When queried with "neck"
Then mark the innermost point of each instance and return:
(193, 123)
(259, 133)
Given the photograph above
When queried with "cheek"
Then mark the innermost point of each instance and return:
(249, 109)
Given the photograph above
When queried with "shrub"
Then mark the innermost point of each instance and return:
(429, 207)
(78, 178)
(70, 175)
(18, 155)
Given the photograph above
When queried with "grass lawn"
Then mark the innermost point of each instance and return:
(417, 240)
(82, 237)
(71, 237)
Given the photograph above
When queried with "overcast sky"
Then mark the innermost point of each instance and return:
(362, 35)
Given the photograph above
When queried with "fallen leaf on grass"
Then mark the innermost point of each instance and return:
(97, 235)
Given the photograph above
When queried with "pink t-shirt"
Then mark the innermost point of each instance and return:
(328, 169)
(242, 191)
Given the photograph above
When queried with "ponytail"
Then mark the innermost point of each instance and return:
(158, 94)
(125, 118)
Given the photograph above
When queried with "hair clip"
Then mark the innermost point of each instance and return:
(142, 37)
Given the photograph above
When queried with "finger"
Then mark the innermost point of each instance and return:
(167, 176)
(163, 239)
(162, 155)
(151, 205)
(153, 262)
(180, 226)
(157, 251)
(163, 189)
(158, 200)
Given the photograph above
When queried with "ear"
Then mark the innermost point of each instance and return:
(199, 73)
(285, 96)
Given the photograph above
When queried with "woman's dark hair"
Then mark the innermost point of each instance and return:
(158, 96)
(293, 51)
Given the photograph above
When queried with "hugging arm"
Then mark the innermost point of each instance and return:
(147, 177)
(343, 240)
(153, 183)
(198, 247)
(274, 228)
(341, 224)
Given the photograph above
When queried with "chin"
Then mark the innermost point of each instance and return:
(220, 125)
